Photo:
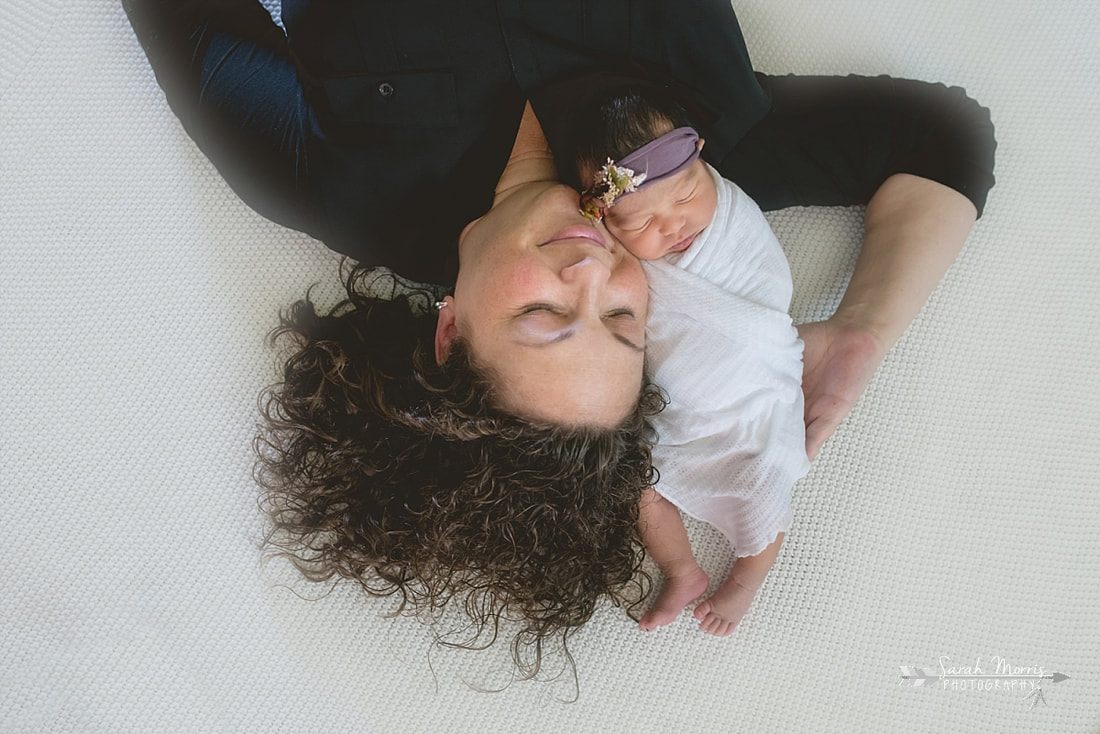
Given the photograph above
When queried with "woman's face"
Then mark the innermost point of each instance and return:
(554, 306)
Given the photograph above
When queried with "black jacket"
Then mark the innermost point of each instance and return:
(381, 127)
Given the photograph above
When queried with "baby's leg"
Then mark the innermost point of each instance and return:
(665, 538)
(720, 613)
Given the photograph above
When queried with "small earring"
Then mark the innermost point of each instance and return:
(440, 305)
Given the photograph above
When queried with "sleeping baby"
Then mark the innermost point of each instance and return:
(720, 343)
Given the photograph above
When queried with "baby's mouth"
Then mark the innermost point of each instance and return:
(683, 244)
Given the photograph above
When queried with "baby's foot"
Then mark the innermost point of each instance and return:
(676, 593)
(719, 614)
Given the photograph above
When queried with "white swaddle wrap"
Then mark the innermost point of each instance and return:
(721, 344)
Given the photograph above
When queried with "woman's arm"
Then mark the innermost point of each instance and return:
(227, 73)
(914, 229)
(920, 156)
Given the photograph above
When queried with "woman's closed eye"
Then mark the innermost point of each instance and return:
(531, 308)
(542, 324)
(545, 307)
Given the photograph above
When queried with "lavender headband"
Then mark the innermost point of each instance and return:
(657, 160)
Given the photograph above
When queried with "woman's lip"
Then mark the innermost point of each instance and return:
(683, 244)
(577, 232)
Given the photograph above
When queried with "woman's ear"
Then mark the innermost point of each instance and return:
(445, 330)
(699, 145)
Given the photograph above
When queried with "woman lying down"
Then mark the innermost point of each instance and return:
(495, 455)
(547, 533)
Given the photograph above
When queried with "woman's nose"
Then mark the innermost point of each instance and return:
(587, 268)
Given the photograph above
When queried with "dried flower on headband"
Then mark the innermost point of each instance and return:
(611, 182)
(659, 159)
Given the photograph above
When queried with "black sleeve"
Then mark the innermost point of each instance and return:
(832, 141)
(226, 70)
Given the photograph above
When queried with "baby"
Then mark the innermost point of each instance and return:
(720, 343)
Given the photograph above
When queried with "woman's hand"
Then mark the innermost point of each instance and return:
(838, 361)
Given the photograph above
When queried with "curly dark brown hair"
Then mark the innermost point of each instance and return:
(380, 466)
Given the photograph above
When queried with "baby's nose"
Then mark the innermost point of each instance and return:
(672, 224)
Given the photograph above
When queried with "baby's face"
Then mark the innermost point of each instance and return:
(667, 216)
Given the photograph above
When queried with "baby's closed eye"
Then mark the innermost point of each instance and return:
(690, 195)
(633, 226)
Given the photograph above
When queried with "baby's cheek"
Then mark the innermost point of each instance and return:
(642, 247)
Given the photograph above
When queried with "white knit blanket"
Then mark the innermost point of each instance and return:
(954, 515)
(720, 344)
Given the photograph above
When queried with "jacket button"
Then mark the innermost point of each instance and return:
(386, 89)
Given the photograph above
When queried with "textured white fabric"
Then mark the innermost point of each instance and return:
(720, 344)
(955, 513)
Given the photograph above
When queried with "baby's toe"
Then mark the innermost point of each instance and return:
(702, 611)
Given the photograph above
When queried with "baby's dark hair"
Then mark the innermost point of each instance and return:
(620, 122)
(380, 466)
